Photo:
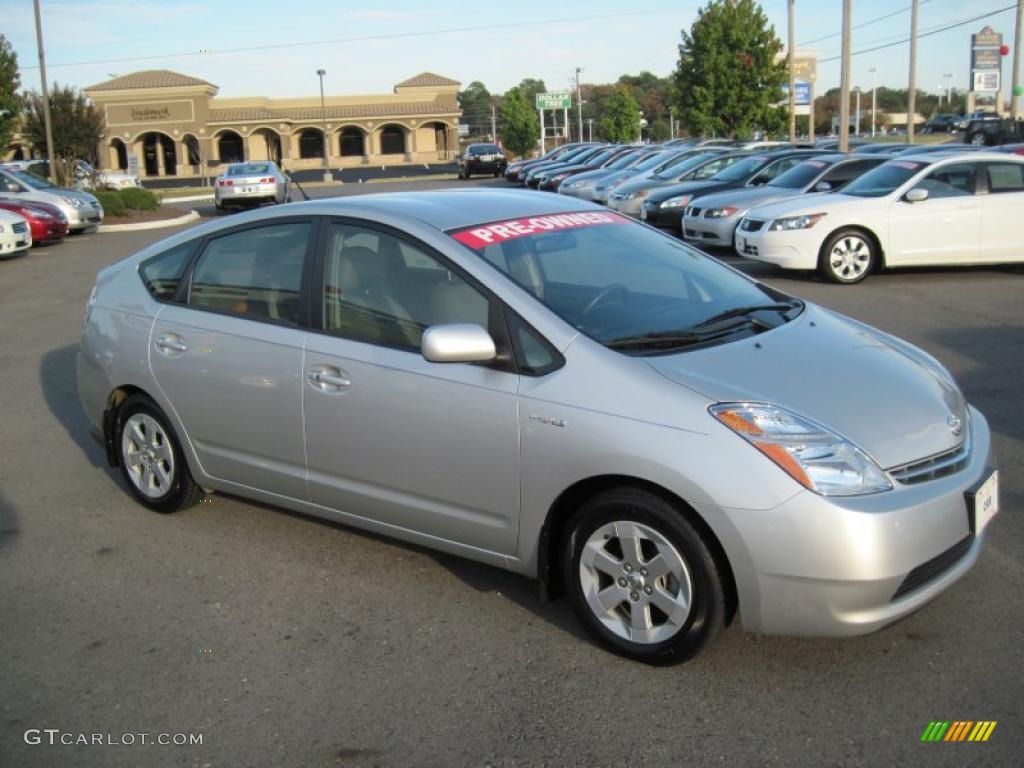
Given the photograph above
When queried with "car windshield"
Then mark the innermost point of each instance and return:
(248, 169)
(484, 149)
(32, 180)
(884, 179)
(576, 154)
(624, 284)
(800, 175)
(743, 169)
(625, 160)
(653, 160)
(684, 164)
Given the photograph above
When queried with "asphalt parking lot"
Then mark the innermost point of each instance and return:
(287, 641)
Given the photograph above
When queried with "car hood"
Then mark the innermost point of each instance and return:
(616, 177)
(690, 188)
(814, 203)
(884, 395)
(593, 176)
(748, 197)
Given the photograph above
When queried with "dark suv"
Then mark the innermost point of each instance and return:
(482, 158)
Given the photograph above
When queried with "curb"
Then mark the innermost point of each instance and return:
(190, 216)
(186, 199)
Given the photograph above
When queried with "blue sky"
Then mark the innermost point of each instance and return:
(192, 36)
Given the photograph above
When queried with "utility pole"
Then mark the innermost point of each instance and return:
(874, 102)
(590, 129)
(671, 122)
(857, 91)
(912, 95)
(1014, 97)
(494, 124)
(844, 79)
(328, 176)
(542, 130)
(949, 84)
(792, 73)
(579, 105)
(46, 95)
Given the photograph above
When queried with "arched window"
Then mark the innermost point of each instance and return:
(311, 144)
(159, 155)
(351, 141)
(120, 155)
(392, 140)
(230, 148)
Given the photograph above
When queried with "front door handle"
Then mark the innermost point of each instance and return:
(327, 378)
(170, 342)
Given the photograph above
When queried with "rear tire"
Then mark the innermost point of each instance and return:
(151, 459)
(641, 578)
(847, 257)
(978, 139)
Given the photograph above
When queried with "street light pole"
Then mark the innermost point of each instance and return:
(792, 73)
(46, 96)
(857, 91)
(912, 95)
(1014, 97)
(844, 80)
(874, 102)
(949, 85)
(328, 176)
(579, 106)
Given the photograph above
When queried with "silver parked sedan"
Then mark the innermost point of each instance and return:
(546, 386)
(246, 185)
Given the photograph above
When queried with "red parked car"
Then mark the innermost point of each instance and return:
(46, 221)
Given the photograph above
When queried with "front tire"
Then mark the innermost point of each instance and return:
(978, 139)
(642, 578)
(151, 459)
(847, 257)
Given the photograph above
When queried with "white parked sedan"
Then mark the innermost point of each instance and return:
(916, 210)
(15, 234)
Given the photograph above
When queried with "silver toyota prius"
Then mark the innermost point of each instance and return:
(540, 384)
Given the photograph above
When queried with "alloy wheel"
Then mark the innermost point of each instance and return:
(850, 258)
(147, 455)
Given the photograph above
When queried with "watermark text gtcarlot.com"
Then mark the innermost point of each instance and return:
(55, 737)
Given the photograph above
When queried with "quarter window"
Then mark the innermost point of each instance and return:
(382, 290)
(255, 273)
(1005, 177)
(162, 274)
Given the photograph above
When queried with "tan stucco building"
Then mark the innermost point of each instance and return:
(175, 125)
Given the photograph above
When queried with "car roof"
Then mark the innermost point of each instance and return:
(446, 209)
(952, 155)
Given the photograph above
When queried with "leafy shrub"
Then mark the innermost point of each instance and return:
(139, 199)
(111, 201)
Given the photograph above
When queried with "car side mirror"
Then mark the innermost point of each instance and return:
(457, 343)
(916, 195)
(823, 186)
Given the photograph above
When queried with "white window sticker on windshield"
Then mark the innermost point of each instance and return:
(500, 231)
(815, 163)
(907, 164)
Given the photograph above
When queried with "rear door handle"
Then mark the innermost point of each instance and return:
(171, 342)
(327, 378)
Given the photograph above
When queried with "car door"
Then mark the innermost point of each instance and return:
(427, 447)
(228, 354)
(943, 229)
(1000, 228)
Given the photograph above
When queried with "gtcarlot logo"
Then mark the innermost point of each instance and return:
(958, 730)
(55, 737)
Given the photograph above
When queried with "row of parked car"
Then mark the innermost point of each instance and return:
(805, 207)
(35, 212)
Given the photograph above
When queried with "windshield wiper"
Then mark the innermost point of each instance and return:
(668, 339)
(746, 311)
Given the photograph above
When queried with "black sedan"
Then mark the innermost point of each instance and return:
(482, 158)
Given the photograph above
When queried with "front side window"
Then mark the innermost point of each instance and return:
(956, 180)
(255, 273)
(162, 274)
(380, 289)
(1005, 177)
(617, 281)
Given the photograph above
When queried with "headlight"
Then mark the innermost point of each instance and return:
(796, 222)
(78, 203)
(43, 215)
(720, 213)
(816, 458)
(676, 202)
(577, 185)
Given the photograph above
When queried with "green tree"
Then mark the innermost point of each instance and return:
(621, 119)
(10, 81)
(530, 87)
(658, 130)
(475, 103)
(77, 127)
(652, 93)
(728, 78)
(518, 127)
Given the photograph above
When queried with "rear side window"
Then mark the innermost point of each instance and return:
(162, 274)
(1005, 177)
(256, 273)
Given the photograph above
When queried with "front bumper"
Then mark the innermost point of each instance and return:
(795, 249)
(14, 242)
(492, 167)
(836, 567)
(585, 192)
(663, 218)
(710, 231)
(630, 206)
(84, 217)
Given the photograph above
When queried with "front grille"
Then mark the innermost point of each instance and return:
(694, 212)
(751, 225)
(933, 467)
(931, 570)
(19, 226)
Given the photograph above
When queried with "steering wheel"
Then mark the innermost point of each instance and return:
(604, 296)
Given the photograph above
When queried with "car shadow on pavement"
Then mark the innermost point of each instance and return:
(8, 522)
(59, 383)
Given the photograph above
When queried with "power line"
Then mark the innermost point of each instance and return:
(867, 23)
(364, 38)
(946, 28)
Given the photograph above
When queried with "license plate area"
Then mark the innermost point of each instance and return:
(982, 501)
